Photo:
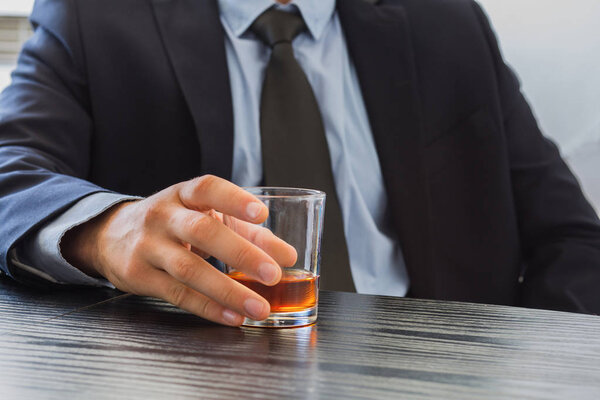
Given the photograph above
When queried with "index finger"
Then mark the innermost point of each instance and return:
(281, 251)
(211, 192)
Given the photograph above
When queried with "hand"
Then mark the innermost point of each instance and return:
(155, 247)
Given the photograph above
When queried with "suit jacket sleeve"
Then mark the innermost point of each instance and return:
(45, 128)
(41, 255)
(559, 230)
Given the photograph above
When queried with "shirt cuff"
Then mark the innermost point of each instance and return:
(40, 254)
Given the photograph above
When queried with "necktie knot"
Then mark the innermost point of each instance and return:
(276, 26)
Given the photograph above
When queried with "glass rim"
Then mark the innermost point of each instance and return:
(293, 193)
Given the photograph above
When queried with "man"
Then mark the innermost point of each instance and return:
(444, 186)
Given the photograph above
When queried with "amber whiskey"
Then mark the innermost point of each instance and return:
(297, 290)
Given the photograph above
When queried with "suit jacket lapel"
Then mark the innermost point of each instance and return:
(194, 40)
(380, 47)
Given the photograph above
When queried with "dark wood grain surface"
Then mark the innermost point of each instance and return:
(62, 344)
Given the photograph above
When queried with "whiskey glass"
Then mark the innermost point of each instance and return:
(295, 216)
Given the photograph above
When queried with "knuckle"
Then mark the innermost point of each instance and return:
(228, 296)
(184, 269)
(261, 236)
(201, 226)
(204, 184)
(170, 193)
(243, 255)
(239, 196)
(205, 309)
(177, 295)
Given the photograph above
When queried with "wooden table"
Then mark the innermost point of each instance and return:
(98, 343)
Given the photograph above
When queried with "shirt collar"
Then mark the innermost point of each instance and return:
(240, 14)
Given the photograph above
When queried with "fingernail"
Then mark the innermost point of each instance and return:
(232, 318)
(253, 210)
(254, 308)
(268, 272)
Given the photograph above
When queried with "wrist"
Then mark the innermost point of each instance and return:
(81, 245)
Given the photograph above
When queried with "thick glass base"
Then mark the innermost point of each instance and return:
(285, 320)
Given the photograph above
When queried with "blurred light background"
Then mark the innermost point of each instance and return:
(14, 29)
(554, 46)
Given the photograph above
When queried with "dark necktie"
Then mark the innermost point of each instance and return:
(294, 148)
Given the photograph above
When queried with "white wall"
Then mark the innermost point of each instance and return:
(12, 8)
(15, 7)
(555, 48)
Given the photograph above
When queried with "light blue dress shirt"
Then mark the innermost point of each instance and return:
(376, 259)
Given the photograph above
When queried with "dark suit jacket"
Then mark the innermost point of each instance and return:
(133, 96)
